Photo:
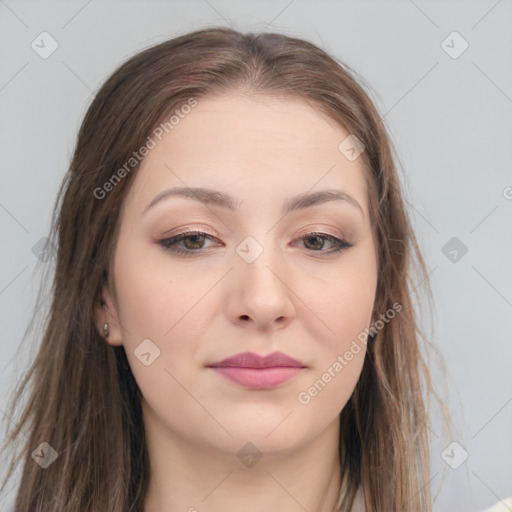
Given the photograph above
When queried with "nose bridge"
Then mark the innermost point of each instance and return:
(258, 257)
(260, 289)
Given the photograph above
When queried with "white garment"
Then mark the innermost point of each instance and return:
(503, 506)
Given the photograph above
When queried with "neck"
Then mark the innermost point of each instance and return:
(192, 476)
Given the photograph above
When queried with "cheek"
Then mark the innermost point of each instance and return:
(345, 307)
(172, 308)
(345, 301)
(154, 298)
(158, 305)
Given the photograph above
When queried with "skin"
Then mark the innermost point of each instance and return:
(295, 298)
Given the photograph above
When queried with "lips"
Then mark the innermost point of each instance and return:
(251, 360)
(256, 372)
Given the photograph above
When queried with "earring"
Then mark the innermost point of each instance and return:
(106, 330)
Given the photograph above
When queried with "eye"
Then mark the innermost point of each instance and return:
(317, 241)
(192, 240)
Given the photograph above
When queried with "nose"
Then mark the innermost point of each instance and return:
(261, 293)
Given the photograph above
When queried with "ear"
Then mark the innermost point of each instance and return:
(106, 313)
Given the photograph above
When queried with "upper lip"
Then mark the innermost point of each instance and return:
(252, 360)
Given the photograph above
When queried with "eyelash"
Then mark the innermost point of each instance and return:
(167, 243)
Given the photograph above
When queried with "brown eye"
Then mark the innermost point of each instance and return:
(196, 241)
(192, 242)
(316, 242)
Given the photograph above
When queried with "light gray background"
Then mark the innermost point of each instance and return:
(450, 119)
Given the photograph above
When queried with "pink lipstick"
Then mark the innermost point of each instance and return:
(257, 372)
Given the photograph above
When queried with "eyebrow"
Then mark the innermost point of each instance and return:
(217, 198)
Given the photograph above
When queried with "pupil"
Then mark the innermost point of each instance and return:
(195, 240)
(318, 239)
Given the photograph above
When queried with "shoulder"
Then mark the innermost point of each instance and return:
(503, 506)
(358, 505)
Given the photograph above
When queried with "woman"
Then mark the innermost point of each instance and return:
(231, 323)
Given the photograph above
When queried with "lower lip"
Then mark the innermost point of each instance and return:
(258, 378)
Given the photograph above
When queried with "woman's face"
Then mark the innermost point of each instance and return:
(255, 279)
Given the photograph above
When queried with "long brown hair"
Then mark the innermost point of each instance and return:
(83, 399)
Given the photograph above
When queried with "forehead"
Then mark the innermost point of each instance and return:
(252, 124)
(251, 144)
